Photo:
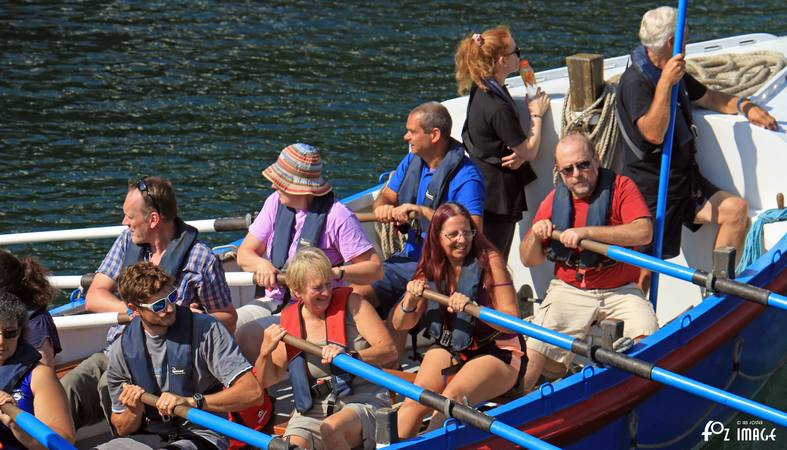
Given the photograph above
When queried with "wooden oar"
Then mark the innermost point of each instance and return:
(449, 408)
(700, 278)
(204, 226)
(224, 426)
(36, 429)
(370, 217)
(638, 367)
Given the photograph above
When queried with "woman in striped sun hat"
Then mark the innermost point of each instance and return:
(302, 212)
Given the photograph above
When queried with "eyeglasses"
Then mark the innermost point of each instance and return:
(143, 188)
(517, 52)
(454, 235)
(9, 334)
(580, 166)
(161, 304)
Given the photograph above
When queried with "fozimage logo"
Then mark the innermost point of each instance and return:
(745, 431)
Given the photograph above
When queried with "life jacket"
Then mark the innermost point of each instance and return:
(180, 350)
(177, 252)
(598, 215)
(458, 332)
(13, 373)
(685, 131)
(437, 188)
(313, 226)
(335, 333)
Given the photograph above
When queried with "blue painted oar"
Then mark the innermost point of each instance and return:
(638, 367)
(449, 408)
(36, 429)
(666, 155)
(699, 277)
(224, 426)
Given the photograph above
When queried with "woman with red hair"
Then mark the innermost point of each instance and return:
(458, 261)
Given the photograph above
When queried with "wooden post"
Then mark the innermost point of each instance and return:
(586, 78)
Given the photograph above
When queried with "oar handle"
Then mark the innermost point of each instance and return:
(370, 217)
(586, 244)
(303, 345)
(224, 426)
(36, 429)
(233, 223)
(471, 308)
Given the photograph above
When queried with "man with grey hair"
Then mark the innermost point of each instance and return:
(643, 108)
(435, 171)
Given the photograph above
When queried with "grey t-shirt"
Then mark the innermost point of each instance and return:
(217, 360)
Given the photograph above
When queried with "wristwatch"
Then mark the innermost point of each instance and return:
(199, 399)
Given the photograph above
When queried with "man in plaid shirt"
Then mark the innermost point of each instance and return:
(154, 234)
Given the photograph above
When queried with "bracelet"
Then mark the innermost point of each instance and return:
(341, 274)
(740, 103)
(405, 310)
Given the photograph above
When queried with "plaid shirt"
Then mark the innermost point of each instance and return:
(201, 280)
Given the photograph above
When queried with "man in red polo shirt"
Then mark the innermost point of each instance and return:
(589, 203)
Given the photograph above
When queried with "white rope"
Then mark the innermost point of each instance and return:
(740, 74)
(391, 240)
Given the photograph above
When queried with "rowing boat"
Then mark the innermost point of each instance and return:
(717, 339)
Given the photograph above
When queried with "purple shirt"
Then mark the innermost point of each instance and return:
(342, 240)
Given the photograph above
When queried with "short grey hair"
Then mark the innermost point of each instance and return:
(434, 115)
(658, 25)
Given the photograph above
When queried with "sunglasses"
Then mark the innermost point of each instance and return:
(454, 235)
(161, 304)
(9, 334)
(516, 52)
(143, 188)
(580, 166)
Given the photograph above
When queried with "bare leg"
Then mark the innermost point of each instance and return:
(731, 213)
(342, 430)
(535, 364)
(430, 377)
(472, 383)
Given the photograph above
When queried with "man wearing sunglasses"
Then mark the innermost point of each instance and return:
(185, 358)
(589, 203)
(155, 233)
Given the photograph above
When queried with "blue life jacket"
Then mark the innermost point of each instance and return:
(335, 333)
(598, 215)
(458, 332)
(13, 374)
(179, 359)
(684, 123)
(437, 189)
(177, 252)
(313, 226)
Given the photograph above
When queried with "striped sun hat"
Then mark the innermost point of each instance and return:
(298, 171)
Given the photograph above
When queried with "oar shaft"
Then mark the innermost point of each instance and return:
(84, 281)
(204, 226)
(223, 426)
(37, 429)
(624, 362)
(370, 217)
(725, 285)
(448, 407)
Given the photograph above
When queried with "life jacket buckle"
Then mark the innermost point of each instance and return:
(445, 338)
(694, 131)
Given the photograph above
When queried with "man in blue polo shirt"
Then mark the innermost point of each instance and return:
(435, 171)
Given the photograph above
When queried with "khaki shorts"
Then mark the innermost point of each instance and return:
(259, 311)
(570, 310)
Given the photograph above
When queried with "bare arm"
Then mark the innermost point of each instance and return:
(527, 150)
(505, 296)
(227, 315)
(251, 259)
(532, 251)
(409, 310)
(271, 365)
(244, 392)
(365, 268)
(101, 295)
(384, 205)
(653, 125)
(728, 104)
(633, 234)
(50, 403)
(381, 350)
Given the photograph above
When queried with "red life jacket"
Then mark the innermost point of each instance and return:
(335, 333)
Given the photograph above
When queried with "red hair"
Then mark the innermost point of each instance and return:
(434, 265)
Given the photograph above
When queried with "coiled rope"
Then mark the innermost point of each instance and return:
(753, 246)
(740, 74)
(391, 240)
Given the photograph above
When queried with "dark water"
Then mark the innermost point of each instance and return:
(206, 93)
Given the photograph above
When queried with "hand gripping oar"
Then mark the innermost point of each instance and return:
(644, 369)
(36, 429)
(695, 276)
(204, 226)
(449, 408)
(223, 426)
